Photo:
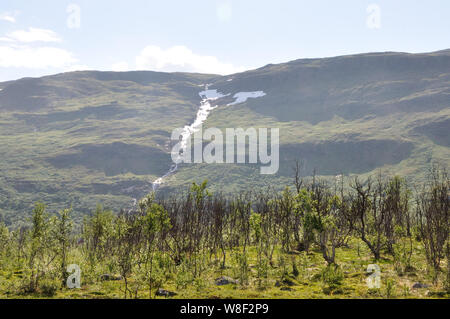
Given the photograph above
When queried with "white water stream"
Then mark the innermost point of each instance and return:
(205, 108)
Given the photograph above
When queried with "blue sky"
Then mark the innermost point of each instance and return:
(213, 36)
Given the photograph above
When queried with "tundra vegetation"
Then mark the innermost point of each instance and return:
(314, 240)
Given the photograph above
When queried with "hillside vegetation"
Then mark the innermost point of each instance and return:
(82, 138)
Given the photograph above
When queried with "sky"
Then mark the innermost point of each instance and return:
(209, 36)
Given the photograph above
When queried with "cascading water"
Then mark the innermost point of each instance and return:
(205, 108)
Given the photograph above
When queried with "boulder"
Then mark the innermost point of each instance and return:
(224, 280)
(419, 285)
(165, 293)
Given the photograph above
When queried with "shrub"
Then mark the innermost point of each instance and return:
(242, 268)
(389, 287)
(332, 278)
(49, 287)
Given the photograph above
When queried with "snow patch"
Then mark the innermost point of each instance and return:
(242, 97)
(211, 95)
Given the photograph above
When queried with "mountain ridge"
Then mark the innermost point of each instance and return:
(87, 137)
(438, 52)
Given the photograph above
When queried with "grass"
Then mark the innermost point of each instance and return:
(306, 284)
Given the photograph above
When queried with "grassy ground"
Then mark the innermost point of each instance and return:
(306, 284)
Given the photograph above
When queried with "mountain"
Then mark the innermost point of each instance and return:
(83, 138)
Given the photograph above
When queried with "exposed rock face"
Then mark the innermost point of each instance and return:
(114, 159)
(350, 156)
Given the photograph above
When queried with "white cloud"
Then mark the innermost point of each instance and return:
(34, 35)
(35, 58)
(224, 11)
(120, 67)
(181, 59)
(18, 50)
(7, 17)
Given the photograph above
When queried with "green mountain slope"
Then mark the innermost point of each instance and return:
(89, 137)
(346, 115)
(102, 137)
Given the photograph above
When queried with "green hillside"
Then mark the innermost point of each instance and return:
(102, 137)
(347, 115)
(88, 137)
